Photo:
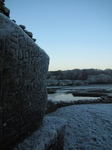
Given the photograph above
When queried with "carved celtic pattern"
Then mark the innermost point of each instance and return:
(23, 71)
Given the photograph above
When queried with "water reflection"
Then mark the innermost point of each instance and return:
(61, 92)
(67, 97)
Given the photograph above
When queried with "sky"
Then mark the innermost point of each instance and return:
(74, 33)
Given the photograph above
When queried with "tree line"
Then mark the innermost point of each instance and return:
(91, 76)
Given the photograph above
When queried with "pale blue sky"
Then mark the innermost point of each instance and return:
(74, 33)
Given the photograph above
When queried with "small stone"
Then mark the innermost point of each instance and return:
(7, 10)
(4, 10)
(1, 3)
(14, 20)
(22, 26)
(34, 39)
(30, 34)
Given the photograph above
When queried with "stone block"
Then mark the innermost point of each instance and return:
(49, 137)
(23, 72)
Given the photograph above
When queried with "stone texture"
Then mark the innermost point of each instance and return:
(49, 137)
(23, 71)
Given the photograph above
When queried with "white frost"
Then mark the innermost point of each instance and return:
(89, 127)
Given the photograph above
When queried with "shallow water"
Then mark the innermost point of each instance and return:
(61, 92)
(67, 97)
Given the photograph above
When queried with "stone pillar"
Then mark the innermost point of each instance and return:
(23, 72)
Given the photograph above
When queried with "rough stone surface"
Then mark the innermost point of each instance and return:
(49, 137)
(23, 71)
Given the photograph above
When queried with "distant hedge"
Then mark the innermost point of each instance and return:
(89, 76)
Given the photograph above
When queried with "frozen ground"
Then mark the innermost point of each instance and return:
(89, 126)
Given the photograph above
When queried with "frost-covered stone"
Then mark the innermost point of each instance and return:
(49, 137)
(23, 72)
(30, 34)
(4, 9)
(22, 26)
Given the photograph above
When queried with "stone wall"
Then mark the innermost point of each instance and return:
(23, 72)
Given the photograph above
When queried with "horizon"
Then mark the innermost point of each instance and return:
(81, 69)
(75, 34)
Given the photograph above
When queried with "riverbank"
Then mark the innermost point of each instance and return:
(72, 95)
(54, 105)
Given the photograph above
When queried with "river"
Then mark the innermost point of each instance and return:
(61, 92)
